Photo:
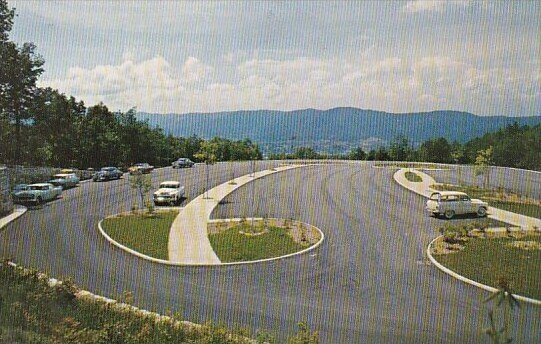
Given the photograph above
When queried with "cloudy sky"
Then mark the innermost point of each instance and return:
(396, 56)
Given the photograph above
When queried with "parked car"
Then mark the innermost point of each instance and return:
(141, 167)
(170, 192)
(18, 188)
(451, 203)
(182, 162)
(38, 193)
(65, 180)
(107, 173)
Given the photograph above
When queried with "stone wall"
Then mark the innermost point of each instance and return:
(28, 175)
(6, 204)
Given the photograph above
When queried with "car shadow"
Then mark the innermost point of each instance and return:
(461, 217)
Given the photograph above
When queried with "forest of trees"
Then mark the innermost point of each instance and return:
(43, 127)
(511, 146)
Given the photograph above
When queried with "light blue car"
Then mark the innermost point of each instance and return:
(65, 180)
(38, 193)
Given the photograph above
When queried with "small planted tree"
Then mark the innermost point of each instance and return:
(502, 297)
(483, 161)
(142, 184)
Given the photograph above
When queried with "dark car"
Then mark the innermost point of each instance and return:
(182, 162)
(107, 173)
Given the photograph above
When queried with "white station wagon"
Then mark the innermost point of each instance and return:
(451, 203)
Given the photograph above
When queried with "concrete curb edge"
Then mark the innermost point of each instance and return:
(18, 211)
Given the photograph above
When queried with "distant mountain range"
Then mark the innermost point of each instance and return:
(349, 126)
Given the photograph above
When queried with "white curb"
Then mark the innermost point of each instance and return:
(18, 210)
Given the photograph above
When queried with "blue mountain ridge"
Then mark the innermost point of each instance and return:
(343, 124)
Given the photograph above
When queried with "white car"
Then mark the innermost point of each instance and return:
(170, 192)
(451, 203)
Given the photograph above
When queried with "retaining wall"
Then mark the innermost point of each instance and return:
(28, 175)
(6, 204)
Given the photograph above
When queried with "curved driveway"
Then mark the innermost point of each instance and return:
(367, 282)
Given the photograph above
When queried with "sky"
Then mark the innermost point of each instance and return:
(210, 56)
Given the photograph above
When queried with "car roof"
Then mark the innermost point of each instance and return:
(40, 184)
(170, 182)
(64, 174)
(451, 193)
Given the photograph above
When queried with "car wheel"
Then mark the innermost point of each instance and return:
(449, 214)
(482, 212)
(39, 200)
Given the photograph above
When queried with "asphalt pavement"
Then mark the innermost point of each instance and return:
(368, 282)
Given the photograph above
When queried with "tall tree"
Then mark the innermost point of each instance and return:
(100, 140)
(357, 154)
(436, 150)
(20, 68)
(400, 149)
(55, 137)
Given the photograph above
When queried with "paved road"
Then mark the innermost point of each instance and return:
(368, 282)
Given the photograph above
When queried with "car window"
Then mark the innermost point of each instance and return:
(435, 196)
(449, 198)
(464, 198)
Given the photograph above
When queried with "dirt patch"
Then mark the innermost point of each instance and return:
(300, 232)
(441, 247)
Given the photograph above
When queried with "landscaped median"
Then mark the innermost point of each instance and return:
(235, 241)
(144, 233)
(484, 257)
(247, 240)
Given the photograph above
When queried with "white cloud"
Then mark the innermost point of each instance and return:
(430, 5)
(195, 71)
(389, 84)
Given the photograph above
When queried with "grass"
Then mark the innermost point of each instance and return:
(499, 199)
(147, 235)
(413, 177)
(232, 246)
(486, 260)
(31, 311)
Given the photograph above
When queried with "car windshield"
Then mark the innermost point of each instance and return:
(170, 186)
(435, 196)
(38, 187)
(59, 176)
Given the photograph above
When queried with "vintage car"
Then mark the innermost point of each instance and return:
(107, 173)
(37, 193)
(65, 180)
(141, 167)
(18, 188)
(170, 192)
(182, 162)
(451, 203)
